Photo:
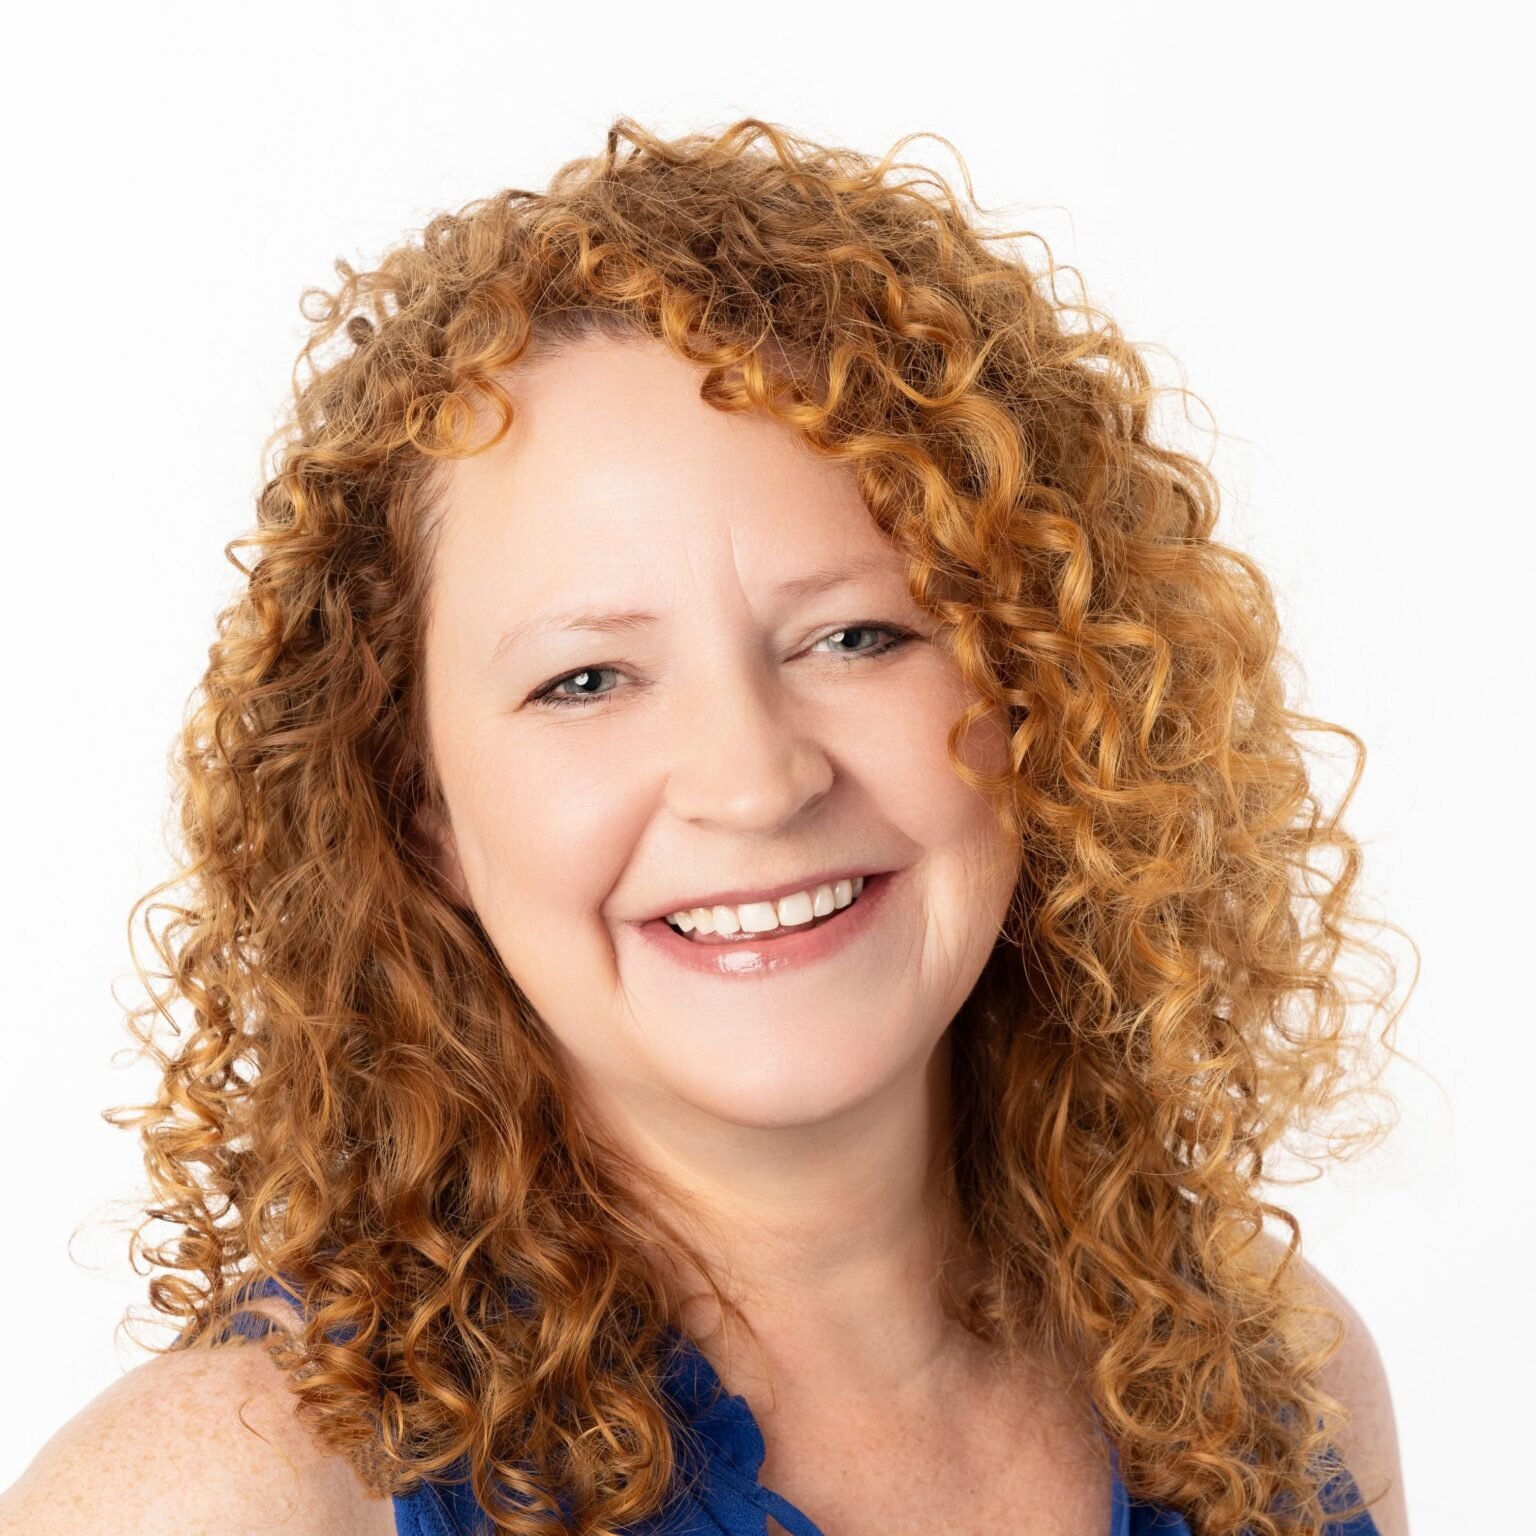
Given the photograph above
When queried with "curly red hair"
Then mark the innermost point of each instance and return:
(366, 1105)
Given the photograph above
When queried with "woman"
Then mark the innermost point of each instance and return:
(746, 944)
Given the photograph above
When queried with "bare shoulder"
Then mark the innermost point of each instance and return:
(191, 1442)
(1357, 1376)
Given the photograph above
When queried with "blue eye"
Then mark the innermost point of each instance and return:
(545, 694)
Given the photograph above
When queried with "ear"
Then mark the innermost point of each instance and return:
(434, 835)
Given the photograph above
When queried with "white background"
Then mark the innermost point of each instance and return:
(1316, 211)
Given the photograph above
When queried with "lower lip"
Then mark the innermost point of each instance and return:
(764, 957)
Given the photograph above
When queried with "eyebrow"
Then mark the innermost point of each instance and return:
(617, 621)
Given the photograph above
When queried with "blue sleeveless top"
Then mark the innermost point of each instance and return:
(721, 1494)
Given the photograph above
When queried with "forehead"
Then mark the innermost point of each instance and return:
(615, 469)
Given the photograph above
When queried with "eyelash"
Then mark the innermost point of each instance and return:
(547, 696)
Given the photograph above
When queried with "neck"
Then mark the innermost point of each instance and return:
(829, 1239)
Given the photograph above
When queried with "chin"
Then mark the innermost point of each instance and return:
(776, 1089)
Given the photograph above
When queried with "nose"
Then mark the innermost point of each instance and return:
(747, 752)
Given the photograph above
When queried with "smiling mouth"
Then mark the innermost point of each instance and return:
(695, 937)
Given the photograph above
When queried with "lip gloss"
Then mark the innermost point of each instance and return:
(759, 957)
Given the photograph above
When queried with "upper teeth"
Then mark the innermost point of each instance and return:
(764, 916)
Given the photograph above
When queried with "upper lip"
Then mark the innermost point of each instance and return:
(742, 893)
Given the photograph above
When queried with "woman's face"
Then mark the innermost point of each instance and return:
(745, 738)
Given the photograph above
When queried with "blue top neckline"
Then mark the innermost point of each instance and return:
(726, 1420)
(721, 1453)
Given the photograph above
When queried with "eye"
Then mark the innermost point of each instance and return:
(546, 693)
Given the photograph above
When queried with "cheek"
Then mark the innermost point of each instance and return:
(541, 852)
(541, 842)
(919, 787)
(970, 858)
